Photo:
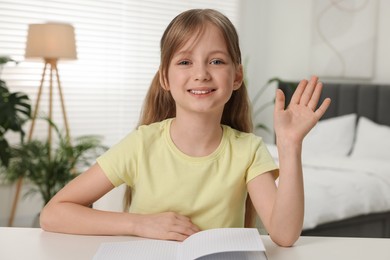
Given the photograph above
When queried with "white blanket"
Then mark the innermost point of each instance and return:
(339, 188)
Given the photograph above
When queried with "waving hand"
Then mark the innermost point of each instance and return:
(302, 113)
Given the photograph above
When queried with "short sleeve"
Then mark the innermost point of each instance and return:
(120, 161)
(262, 161)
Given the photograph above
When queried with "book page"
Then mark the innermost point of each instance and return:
(139, 249)
(220, 240)
(247, 255)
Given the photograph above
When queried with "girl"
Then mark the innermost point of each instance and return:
(192, 161)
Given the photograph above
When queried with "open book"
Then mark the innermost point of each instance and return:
(220, 243)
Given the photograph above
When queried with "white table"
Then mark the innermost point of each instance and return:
(34, 243)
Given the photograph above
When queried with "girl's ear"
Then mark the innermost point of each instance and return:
(239, 77)
(163, 82)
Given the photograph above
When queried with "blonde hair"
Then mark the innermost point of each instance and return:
(159, 104)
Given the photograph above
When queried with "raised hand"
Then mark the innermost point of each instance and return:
(166, 225)
(301, 115)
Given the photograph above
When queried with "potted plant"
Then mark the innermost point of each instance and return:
(48, 167)
(15, 110)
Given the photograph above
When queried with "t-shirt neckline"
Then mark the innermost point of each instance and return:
(178, 152)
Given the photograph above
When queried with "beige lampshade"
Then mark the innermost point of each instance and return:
(51, 41)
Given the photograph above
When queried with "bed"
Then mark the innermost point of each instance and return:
(346, 163)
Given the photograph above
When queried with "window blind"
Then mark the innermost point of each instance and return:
(118, 54)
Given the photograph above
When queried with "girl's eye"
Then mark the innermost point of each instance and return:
(184, 62)
(216, 62)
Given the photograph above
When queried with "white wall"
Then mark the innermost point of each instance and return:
(276, 35)
(382, 68)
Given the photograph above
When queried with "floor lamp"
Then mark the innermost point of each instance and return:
(50, 42)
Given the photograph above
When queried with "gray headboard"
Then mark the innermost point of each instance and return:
(371, 101)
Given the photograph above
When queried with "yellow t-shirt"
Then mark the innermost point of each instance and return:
(210, 190)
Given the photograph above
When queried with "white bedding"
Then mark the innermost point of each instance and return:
(341, 187)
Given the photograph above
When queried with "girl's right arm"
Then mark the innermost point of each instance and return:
(69, 212)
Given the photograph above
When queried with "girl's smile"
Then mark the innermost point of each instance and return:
(201, 92)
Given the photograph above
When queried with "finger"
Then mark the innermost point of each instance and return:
(186, 227)
(182, 218)
(194, 228)
(315, 96)
(176, 236)
(279, 100)
(308, 92)
(298, 92)
(191, 226)
(186, 222)
(184, 230)
(322, 109)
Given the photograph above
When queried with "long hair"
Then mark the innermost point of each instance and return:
(159, 103)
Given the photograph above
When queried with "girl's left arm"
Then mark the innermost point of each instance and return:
(281, 208)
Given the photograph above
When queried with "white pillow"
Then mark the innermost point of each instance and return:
(331, 137)
(372, 140)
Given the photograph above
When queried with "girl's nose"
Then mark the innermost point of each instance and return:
(201, 73)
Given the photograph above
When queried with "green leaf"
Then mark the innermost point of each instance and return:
(263, 127)
(48, 175)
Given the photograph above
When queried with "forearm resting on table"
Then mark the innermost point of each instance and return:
(78, 219)
(73, 218)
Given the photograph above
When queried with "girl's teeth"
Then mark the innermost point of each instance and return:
(200, 92)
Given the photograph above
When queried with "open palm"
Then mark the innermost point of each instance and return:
(302, 113)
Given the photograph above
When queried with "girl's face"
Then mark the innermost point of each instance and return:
(201, 75)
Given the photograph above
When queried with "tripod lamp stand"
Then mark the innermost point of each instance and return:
(50, 42)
